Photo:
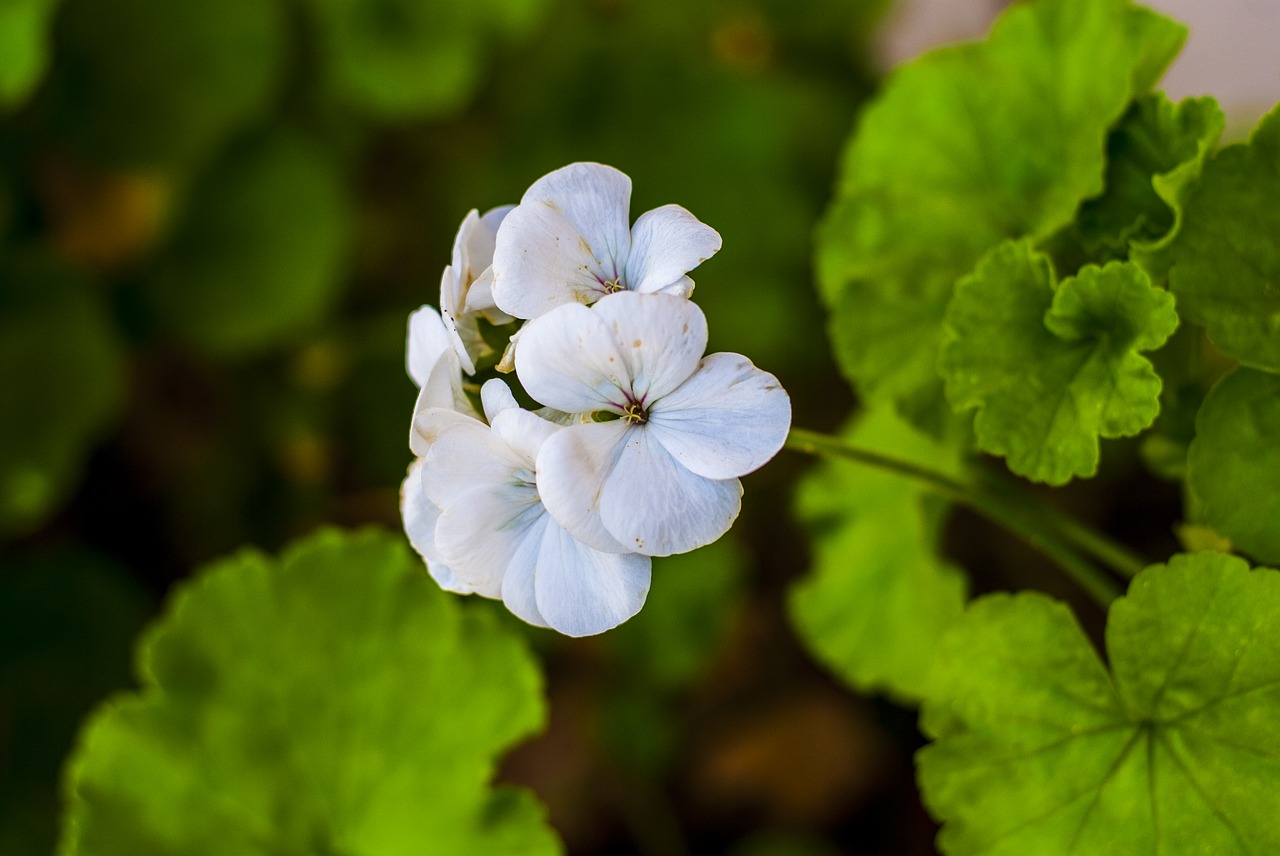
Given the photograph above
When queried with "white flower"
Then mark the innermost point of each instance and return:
(568, 241)
(497, 538)
(466, 286)
(433, 364)
(661, 477)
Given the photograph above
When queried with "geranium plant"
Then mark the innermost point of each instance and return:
(1031, 253)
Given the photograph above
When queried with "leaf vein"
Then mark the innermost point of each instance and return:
(1217, 812)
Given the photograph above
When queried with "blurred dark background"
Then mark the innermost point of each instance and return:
(215, 218)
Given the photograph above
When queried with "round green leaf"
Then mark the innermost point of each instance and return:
(335, 701)
(164, 82)
(1176, 750)
(1223, 260)
(1233, 465)
(64, 382)
(258, 254)
(966, 147)
(1157, 146)
(1051, 367)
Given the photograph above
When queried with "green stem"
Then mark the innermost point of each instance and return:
(1089, 541)
(1014, 515)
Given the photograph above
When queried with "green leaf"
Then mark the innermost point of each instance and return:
(1051, 367)
(61, 391)
(155, 83)
(1223, 260)
(1039, 749)
(258, 255)
(1183, 387)
(1158, 144)
(879, 596)
(332, 702)
(966, 147)
(403, 58)
(24, 47)
(1233, 466)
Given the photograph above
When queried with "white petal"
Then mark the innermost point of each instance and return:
(467, 455)
(495, 397)
(581, 591)
(728, 419)
(433, 363)
(429, 421)
(458, 260)
(660, 338)
(480, 531)
(428, 341)
(473, 249)
(667, 243)
(542, 260)
(493, 218)
(572, 465)
(569, 360)
(518, 591)
(420, 516)
(464, 335)
(596, 199)
(524, 432)
(480, 299)
(653, 505)
(682, 287)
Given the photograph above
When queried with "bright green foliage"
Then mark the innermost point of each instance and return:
(1233, 466)
(334, 701)
(1158, 146)
(129, 96)
(60, 391)
(67, 622)
(1224, 261)
(964, 148)
(1039, 749)
(879, 596)
(23, 46)
(258, 255)
(1182, 390)
(1050, 367)
(406, 58)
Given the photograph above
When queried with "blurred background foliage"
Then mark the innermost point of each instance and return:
(215, 218)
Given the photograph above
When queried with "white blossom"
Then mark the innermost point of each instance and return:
(569, 241)
(466, 285)
(497, 538)
(434, 366)
(660, 474)
(638, 448)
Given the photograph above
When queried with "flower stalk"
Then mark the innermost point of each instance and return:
(1065, 541)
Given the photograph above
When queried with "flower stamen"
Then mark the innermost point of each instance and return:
(634, 414)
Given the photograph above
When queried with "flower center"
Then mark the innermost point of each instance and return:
(613, 286)
(634, 414)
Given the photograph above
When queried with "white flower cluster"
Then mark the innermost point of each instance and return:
(641, 439)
